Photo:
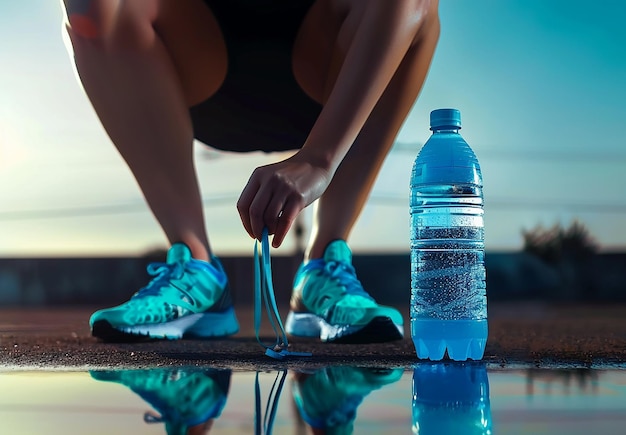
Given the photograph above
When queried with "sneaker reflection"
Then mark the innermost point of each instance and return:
(451, 399)
(185, 400)
(327, 399)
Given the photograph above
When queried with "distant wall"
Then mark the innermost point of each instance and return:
(107, 281)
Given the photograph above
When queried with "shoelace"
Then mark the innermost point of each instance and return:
(267, 425)
(346, 275)
(162, 273)
(340, 416)
(341, 272)
(264, 294)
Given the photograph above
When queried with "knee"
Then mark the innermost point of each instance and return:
(89, 19)
(417, 17)
(422, 10)
(109, 25)
(427, 15)
(83, 26)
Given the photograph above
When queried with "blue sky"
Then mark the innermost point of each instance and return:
(540, 85)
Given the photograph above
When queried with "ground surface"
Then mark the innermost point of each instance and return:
(519, 333)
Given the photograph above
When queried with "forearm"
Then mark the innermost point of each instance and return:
(385, 33)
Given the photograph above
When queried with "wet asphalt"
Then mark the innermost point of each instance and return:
(520, 333)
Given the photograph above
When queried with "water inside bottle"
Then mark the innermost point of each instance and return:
(448, 308)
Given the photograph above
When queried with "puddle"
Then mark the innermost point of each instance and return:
(429, 399)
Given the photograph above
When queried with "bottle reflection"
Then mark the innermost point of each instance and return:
(451, 398)
(185, 400)
(327, 399)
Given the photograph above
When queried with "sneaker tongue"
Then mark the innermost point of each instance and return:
(339, 251)
(178, 253)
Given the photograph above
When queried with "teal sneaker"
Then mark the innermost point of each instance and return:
(328, 399)
(183, 398)
(329, 302)
(187, 297)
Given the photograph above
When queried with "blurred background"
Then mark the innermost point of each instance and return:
(540, 85)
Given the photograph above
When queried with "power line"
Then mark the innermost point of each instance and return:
(393, 200)
(588, 207)
(548, 155)
(95, 210)
(536, 155)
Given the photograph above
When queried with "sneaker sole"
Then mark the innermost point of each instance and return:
(379, 330)
(201, 325)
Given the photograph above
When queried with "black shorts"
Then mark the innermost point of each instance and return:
(260, 106)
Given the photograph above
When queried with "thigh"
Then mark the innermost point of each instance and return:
(186, 28)
(192, 36)
(324, 38)
(320, 43)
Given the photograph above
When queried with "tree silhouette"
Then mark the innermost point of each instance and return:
(570, 252)
(555, 243)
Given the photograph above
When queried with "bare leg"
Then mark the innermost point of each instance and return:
(338, 208)
(142, 64)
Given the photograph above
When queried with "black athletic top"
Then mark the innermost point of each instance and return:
(259, 106)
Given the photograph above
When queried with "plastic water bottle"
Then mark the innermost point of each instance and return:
(451, 399)
(448, 299)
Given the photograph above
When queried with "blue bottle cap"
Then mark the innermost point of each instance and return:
(441, 118)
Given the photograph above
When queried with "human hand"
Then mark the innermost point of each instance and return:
(276, 193)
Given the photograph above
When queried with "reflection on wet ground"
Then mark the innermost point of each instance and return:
(431, 398)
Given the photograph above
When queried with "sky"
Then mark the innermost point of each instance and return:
(541, 86)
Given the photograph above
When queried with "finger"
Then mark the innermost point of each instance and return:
(257, 210)
(273, 212)
(245, 200)
(288, 216)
